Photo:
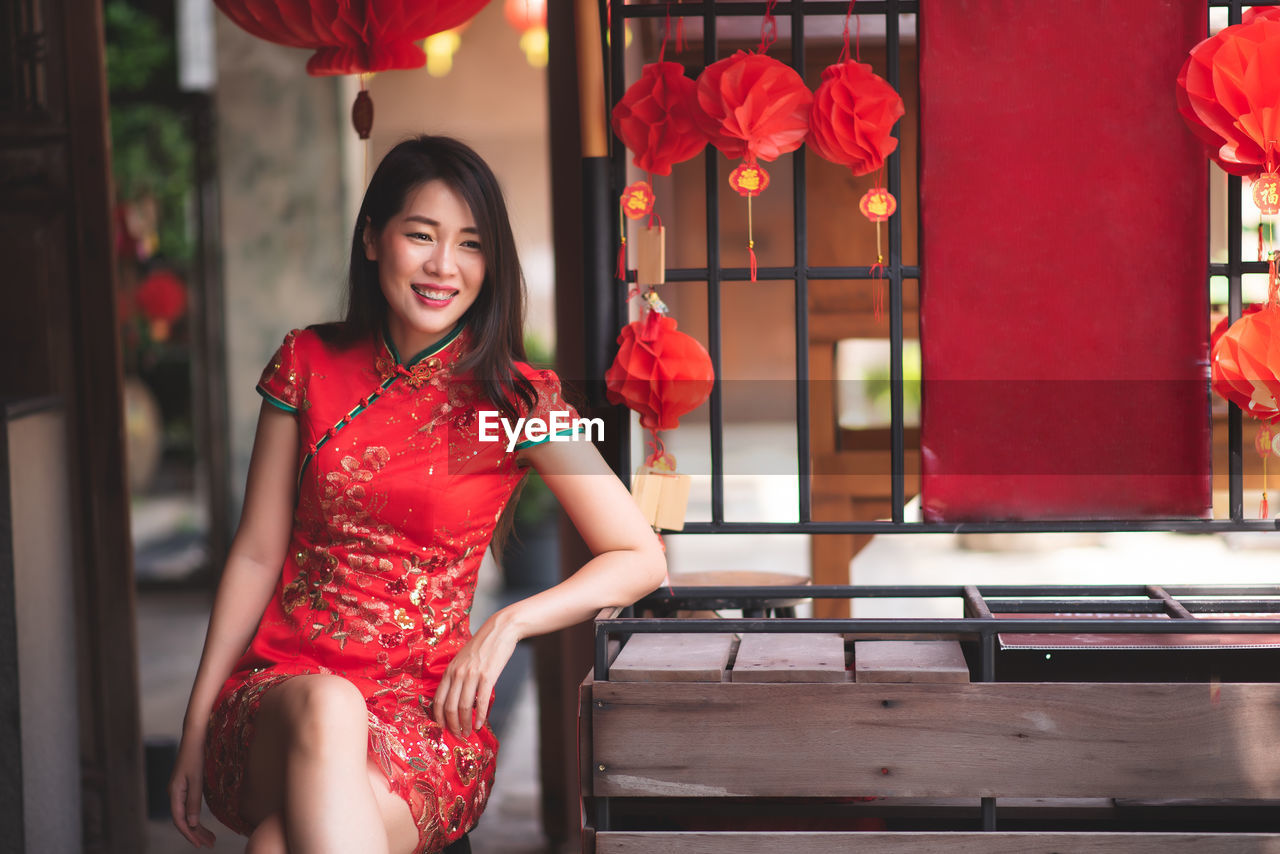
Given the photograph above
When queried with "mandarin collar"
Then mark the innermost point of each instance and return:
(451, 343)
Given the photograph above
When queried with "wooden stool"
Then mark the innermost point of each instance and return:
(778, 607)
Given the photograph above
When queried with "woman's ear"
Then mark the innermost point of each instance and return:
(370, 240)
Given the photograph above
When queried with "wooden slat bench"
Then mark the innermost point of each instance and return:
(926, 739)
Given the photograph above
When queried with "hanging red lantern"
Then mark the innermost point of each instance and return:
(1227, 91)
(659, 372)
(851, 122)
(1221, 326)
(657, 118)
(162, 298)
(529, 18)
(1246, 363)
(351, 38)
(754, 108)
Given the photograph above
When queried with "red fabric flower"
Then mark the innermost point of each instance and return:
(1228, 90)
(373, 35)
(1246, 360)
(753, 106)
(851, 122)
(162, 296)
(659, 372)
(657, 118)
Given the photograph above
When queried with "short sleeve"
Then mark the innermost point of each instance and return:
(551, 418)
(280, 384)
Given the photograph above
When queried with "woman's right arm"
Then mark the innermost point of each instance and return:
(249, 578)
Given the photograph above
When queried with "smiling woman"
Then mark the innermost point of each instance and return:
(431, 266)
(356, 719)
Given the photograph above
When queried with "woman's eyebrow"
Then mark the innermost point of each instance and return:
(470, 229)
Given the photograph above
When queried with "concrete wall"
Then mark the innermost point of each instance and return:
(280, 138)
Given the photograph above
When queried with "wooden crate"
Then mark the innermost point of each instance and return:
(932, 744)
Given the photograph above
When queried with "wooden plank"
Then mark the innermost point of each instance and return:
(937, 740)
(909, 661)
(673, 658)
(768, 657)
(908, 842)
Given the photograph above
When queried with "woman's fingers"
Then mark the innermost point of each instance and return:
(184, 804)
(483, 695)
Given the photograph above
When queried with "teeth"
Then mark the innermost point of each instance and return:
(431, 293)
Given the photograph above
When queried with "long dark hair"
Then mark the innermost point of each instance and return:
(495, 321)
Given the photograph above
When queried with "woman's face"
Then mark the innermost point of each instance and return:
(430, 265)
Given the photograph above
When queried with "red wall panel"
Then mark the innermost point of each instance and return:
(1063, 298)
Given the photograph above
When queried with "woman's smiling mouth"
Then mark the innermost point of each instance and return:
(434, 295)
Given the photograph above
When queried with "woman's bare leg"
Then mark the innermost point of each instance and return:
(309, 763)
(402, 833)
(268, 837)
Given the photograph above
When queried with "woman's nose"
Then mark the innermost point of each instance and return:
(442, 260)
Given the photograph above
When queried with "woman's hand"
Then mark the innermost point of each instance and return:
(186, 789)
(467, 686)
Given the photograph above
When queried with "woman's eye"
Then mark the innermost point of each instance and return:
(420, 235)
(471, 244)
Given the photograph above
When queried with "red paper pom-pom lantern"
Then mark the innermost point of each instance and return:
(657, 118)
(372, 35)
(1228, 90)
(753, 106)
(851, 122)
(1246, 364)
(162, 296)
(659, 372)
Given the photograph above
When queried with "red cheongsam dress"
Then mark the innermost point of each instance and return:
(398, 493)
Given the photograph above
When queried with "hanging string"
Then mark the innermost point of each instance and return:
(877, 269)
(680, 42)
(857, 45)
(751, 243)
(657, 450)
(768, 28)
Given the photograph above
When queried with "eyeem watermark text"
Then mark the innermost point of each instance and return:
(558, 427)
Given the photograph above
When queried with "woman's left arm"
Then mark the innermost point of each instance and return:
(628, 563)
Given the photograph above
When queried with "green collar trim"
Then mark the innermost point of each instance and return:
(427, 353)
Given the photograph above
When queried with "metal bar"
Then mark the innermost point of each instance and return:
(1235, 459)
(974, 604)
(602, 651)
(987, 665)
(1221, 269)
(693, 8)
(989, 814)
(800, 221)
(897, 445)
(1008, 592)
(777, 274)
(618, 173)
(956, 625)
(1233, 606)
(1076, 606)
(1172, 606)
(1198, 526)
(716, 410)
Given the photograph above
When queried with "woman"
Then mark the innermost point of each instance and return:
(340, 704)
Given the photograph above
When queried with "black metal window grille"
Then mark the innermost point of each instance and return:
(801, 273)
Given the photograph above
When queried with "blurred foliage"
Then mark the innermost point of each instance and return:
(138, 49)
(151, 147)
(879, 391)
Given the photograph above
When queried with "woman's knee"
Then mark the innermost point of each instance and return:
(267, 837)
(323, 711)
